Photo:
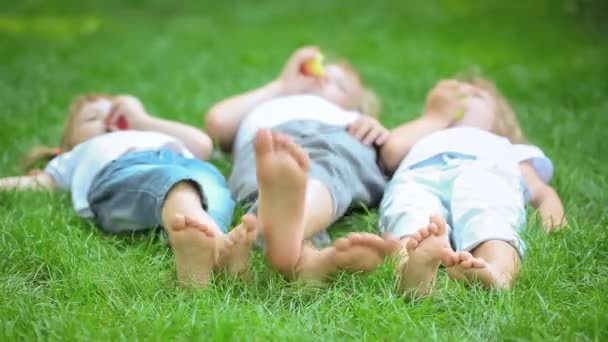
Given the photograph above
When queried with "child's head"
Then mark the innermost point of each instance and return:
(85, 119)
(343, 85)
(505, 121)
(485, 106)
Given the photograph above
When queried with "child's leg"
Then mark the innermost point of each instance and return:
(197, 240)
(289, 203)
(234, 255)
(494, 263)
(409, 200)
(424, 254)
(194, 236)
(357, 252)
(487, 212)
(318, 208)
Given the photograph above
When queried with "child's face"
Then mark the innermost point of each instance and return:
(90, 121)
(479, 105)
(341, 87)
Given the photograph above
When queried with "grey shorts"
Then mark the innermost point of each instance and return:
(344, 165)
(127, 195)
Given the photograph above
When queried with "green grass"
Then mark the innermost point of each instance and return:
(61, 279)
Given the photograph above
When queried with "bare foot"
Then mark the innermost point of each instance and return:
(282, 174)
(362, 252)
(234, 256)
(464, 266)
(194, 246)
(424, 251)
(358, 252)
(385, 245)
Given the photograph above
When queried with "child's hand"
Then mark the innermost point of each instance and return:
(446, 102)
(550, 225)
(291, 80)
(127, 112)
(368, 130)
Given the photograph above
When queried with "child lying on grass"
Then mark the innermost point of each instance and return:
(477, 173)
(150, 174)
(319, 159)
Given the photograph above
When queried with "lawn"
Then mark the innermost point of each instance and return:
(60, 279)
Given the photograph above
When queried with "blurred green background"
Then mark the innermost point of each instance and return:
(61, 279)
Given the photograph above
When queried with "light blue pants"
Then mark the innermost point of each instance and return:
(481, 200)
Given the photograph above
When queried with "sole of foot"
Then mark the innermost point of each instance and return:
(195, 249)
(424, 250)
(282, 175)
(234, 255)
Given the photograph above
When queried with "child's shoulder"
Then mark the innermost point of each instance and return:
(536, 158)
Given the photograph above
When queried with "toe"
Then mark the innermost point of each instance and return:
(263, 142)
(249, 221)
(205, 230)
(178, 222)
(342, 244)
(229, 243)
(448, 257)
(433, 229)
(416, 236)
(364, 239)
(281, 140)
(379, 244)
(440, 223)
(391, 245)
(478, 263)
(411, 244)
(302, 159)
(297, 153)
(462, 256)
(424, 232)
(354, 237)
(467, 263)
(190, 222)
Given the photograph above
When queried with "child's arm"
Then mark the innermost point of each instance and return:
(195, 140)
(441, 110)
(40, 181)
(545, 199)
(223, 119)
(402, 138)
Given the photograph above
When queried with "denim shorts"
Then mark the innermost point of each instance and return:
(128, 194)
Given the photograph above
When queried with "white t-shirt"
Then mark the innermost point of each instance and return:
(289, 108)
(76, 169)
(480, 144)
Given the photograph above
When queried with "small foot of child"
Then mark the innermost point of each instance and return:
(464, 266)
(282, 175)
(362, 252)
(194, 246)
(358, 252)
(234, 255)
(424, 250)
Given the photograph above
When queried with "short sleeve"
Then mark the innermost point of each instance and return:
(539, 161)
(61, 168)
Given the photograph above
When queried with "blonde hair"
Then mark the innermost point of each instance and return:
(506, 123)
(369, 103)
(45, 153)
